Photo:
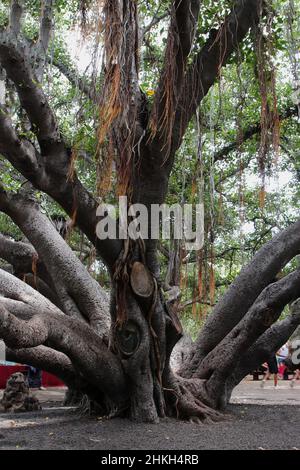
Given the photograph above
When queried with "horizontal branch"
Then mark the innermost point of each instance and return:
(197, 300)
(250, 132)
(70, 336)
(49, 360)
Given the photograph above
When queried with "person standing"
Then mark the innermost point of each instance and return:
(282, 355)
(295, 377)
(272, 370)
(34, 377)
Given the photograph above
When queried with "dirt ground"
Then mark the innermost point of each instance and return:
(263, 419)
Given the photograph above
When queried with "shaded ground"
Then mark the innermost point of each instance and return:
(252, 426)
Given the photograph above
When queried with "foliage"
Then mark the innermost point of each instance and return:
(236, 224)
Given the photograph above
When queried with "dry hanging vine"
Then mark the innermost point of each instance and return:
(119, 102)
(270, 123)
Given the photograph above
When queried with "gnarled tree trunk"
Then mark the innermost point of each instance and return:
(61, 322)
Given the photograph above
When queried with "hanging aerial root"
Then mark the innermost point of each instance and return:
(270, 122)
(163, 114)
(120, 91)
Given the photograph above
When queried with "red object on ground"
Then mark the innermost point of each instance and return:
(48, 380)
(281, 369)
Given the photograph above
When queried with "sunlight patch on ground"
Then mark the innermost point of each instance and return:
(11, 423)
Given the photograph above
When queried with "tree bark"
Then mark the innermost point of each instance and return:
(79, 294)
(239, 297)
(131, 374)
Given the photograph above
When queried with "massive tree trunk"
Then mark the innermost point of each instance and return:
(60, 322)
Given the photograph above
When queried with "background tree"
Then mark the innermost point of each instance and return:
(182, 101)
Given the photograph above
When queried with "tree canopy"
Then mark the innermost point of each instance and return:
(170, 101)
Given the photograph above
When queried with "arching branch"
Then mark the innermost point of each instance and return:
(206, 66)
(80, 295)
(266, 345)
(242, 293)
(66, 335)
(50, 171)
(49, 360)
(220, 362)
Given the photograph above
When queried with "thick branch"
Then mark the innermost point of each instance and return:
(205, 69)
(100, 367)
(170, 116)
(184, 16)
(27, 266)
(19, 152)
(47, 290)
(266, 345)
(218, 364)
(16, 12)
(67, 335)
(44, 37)
(51, 171)
(20, 255)
(14, 59)
(49, 360)
(45, 25)
(79, 293)
(13, 288)
(260, 272)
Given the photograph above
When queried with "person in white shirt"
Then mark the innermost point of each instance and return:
(282, 355)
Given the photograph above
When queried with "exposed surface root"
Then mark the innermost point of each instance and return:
(184, 401)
